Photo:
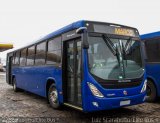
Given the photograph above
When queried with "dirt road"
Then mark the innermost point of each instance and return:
(26, 107)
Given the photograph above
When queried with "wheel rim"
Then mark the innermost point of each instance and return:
(53, 96)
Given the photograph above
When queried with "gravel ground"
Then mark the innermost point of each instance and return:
(27, 107)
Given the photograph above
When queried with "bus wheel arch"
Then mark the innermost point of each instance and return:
(14, 83)
(52, 94)
(48, 84)
(151, 90)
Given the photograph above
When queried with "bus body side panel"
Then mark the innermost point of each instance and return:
(153, 72)
(85, 100)
(34, 79)
(16, 74)
(153, 68)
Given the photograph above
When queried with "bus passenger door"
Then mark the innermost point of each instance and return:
(9, 69)
(73, 75)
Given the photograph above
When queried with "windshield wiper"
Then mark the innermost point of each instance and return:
(114, 49)
(109, 44)
(117, 55)
(124, 53)
(128, 45)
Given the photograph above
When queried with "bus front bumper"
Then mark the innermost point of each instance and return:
(96, 104)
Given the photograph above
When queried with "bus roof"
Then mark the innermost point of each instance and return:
(150, 35)
(67, 28)
(72, 26)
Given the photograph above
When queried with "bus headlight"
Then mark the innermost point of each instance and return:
(94, 90)
(144, 86)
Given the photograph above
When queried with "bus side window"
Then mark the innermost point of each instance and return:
(152, 50)
(23, 57)
(40, 54)
(30, 56)
(54, 51)
(13, 59)
(17, 54)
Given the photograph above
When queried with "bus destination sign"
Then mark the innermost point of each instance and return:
(116, 30)
(123, 31)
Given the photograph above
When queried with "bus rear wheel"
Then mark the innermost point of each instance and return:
(151, 92)
(53, 97)
(15, 85)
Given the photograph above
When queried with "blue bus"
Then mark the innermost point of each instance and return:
(87, 65)
(152, 60)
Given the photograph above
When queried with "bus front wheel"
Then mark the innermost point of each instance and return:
(53, 97)
(151, 92)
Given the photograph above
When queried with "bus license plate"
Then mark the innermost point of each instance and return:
(126, 102)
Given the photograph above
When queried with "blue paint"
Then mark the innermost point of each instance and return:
(153, 69)
(37, 76)
(150, 35)
(107, 103)
(34, 79)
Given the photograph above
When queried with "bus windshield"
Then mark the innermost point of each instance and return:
(114, 59)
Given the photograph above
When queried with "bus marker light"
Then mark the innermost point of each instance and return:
(125, 92)
(95, 104)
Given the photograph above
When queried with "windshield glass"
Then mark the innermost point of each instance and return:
(120, 60)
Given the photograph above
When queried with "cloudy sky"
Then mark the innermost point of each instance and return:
(24, 21)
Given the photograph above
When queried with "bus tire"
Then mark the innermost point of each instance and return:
(15, 85)
(151, 91)
(53, 97)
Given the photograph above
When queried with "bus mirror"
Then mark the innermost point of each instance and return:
(85, 40)
(85, 45)
(81, 30)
